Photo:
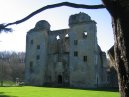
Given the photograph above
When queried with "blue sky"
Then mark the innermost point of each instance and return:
(12, 10)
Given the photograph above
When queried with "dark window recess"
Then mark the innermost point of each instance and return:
(37, 57)
(60, 80)
(31, 42)
(75, 53)
(38, 46)
(75, 42)
(31, 67)
(84, 58)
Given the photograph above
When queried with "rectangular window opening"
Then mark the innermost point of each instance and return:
(37, 57)
(84, 58)
(31, 42)
(38, 46)
(31, 67)
(75, 53)
(75, 42)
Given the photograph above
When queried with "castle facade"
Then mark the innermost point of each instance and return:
(67, 57)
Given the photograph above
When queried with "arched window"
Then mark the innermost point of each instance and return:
(84, 34)
(57, 37)
(67, 36)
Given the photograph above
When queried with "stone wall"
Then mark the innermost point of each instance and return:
(67, 57)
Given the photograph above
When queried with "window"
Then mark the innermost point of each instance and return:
(38, 46)
(31, 42)
(75, 53)
(57, 37)
(84, 34)
(84, 58)
(67, 36)
(31, 67)
(37, 57)
(75, 42)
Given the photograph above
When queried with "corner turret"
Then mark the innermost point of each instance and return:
(79, 18)
(42, 25)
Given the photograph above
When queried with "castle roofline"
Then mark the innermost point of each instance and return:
(79, 18)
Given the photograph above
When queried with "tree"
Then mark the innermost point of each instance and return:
(11, 66)
(4, 29)
(119, 11)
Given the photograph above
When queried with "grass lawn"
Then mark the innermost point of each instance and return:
(29, 91)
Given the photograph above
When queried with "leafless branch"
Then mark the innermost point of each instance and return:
(4, 29)
(54, 6)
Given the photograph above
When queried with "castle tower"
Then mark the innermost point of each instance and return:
(36, 53)
(83, 45)
(65, 57)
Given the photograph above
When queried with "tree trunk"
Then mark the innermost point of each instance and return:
(119, 10)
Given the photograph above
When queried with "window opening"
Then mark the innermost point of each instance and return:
(75, 53)
(75, 42)
(31, 67)
(84, 58)
(67, 36)
(37, 57)
(38, 46)
(57, 37)
(84, 34)
(31, 42)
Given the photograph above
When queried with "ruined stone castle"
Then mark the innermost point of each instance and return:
(67, 57)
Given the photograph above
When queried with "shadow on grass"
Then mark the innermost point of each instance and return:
(92, 89)
(105, 89)
(3, 95)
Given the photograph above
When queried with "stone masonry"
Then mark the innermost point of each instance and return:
(67, 57)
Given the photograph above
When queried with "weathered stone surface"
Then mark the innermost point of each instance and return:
(74, 59)
(42, 25)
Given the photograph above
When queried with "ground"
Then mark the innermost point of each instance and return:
(29, 91)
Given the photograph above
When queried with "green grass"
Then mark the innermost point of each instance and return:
(29, 91)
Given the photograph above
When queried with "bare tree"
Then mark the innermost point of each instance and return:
(11, 66)
(17, 65)
(3, 27)
(119, 11)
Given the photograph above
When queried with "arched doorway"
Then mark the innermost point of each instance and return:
(60, 80)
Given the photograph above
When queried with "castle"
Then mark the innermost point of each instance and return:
(67, 57)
